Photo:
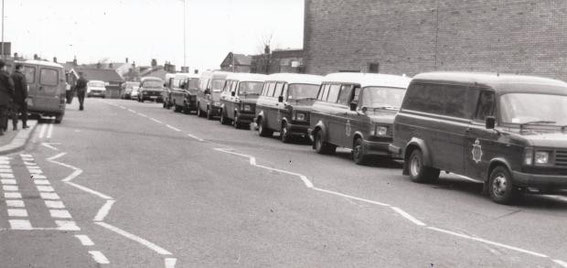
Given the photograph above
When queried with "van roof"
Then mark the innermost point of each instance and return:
(186, 75)
(96, 81)
(293, 78)
(150, 78)
(39, 62)
(247, 77)
(369, 79)
(499, 82)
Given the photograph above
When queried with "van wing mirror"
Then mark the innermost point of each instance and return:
(207, 91)
(233, 93)
(280, 99)
(490, 122)
(353, 106)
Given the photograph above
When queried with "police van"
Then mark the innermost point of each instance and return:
(208, 97)
(183, 94)
(46, 88)
(151, 88)
(238, 98)
(356, 111)
(506, 131)
(285, 103)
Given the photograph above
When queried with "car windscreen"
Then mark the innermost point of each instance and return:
(302, 91)
(153, 84)
(382, 97)
(521, 108)
(217, 85)
(96, 84)
(247, 88)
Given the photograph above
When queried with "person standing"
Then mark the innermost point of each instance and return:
(20, 105)
(6, 96)
(81, 88)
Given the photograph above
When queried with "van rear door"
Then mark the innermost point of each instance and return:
(46, 93)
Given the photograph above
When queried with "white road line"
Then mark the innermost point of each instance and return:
(195, 137)
(91, 191)
(135, 238)
(60, 213)
(54, 204)
(99, 257)
(157, 121)
(45, 188)
(50, 131)
(49, 196)
(48, 145)
(67, 226)
(132, 111)
(488, 242)
(15, 203)
(42, 131)
(56, 156)
(8, 181)
(20, 224)
(170, 262)
(39, 176)
(12, 188)
(6, 175)
(103, 211)
(17, 212)
(73, 175)
(408, 216)
(41, 182)
(142, 115)
(6, 170)
(12, 195)
(560, 262)
(35, 171)
(85, 240)
(4, 166)
(351, 197)
(173, 128)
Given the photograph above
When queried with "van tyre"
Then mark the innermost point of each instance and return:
(58, 119)
(285, 136)
(199, 111)
(223, 120)
(209, 114)
(236, 122)
(418, 172)
(262, 130)
(358, 155)
(323, 147)
(500, 187)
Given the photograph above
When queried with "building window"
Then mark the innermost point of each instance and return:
(373, 67)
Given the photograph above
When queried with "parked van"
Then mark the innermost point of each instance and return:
(46, 88)
(96, 88)
(238, 99)
(208, 96)
(507, 131)
(184, 92)
(151, 88)
(285, 103)
(356, 111)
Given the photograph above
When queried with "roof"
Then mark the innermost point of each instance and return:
(247, 77)
(293, 78)
(215, 74)
(369, 79)
(39, 62)
(239, 60)
(150, 78)
(499, 82)
(106, 75)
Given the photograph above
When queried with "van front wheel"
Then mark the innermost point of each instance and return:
(500, 186)
(323, 147)
(418, 171)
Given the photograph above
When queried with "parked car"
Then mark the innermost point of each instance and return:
(46, 88)
(285, 103)
(238, 98)
(184, 94)
(134, 93)
(96, 88)
(507, 131)
(356, 111)
(127, 88)
(151, 88)
(208, 96)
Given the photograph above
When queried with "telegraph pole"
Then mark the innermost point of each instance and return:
(3, 56)
(184, 33)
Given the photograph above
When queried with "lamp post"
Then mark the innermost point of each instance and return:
(184, 33)
(3, 56)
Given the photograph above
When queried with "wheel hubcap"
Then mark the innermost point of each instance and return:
(499, 185)
(356, 151)
(415, 166)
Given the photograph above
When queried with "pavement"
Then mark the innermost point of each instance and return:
(13, 141)
(128, 184)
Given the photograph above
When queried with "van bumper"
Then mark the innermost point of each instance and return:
(298, 129)
(246, 117)
(543, 182)
(376, 148)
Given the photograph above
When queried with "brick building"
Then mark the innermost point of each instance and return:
(412, 36)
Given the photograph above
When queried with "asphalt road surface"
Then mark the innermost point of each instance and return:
(128, 184)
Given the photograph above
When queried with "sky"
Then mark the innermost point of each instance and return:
(113, 30)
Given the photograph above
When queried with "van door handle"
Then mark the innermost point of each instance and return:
(40, 88)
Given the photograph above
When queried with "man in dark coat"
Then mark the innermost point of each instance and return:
(20, 96)
(6, 96)
(81, 88)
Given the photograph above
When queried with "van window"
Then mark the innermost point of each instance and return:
(441, 99)
(334, 93)
(217, 85)
(29, 72)
(48, 77)
(323, 92)
(247, 88)
(485, 105)
(279, 89)
(303, 91)
(344, 96)
(271, 87)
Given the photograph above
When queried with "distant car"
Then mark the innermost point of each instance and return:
(96, 88)
(151, 88)
(127, 88)
(134, 93)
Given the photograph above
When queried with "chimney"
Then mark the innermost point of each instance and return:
(98, 65)
(16, 55)
(126, 59)
(35, 57)
(134, 64)
(55, 59)
(111, 65)
(75, 61)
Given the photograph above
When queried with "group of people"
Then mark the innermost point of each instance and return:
(13, 95)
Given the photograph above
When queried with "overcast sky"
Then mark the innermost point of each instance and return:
(96, 30)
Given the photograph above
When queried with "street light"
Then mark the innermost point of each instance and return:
(3, 57)
(184, 32)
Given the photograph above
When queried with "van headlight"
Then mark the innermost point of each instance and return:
(247, 108)
(298, 116)
(541, 157)
(379, 131)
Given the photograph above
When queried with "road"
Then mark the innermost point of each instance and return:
(128, 184)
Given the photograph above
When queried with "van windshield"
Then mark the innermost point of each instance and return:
(248, 88)
(521, 108)
(96, 84)
(193, 83)
(153, 84)
(217, 85)
(302, 91)
(382, 97)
